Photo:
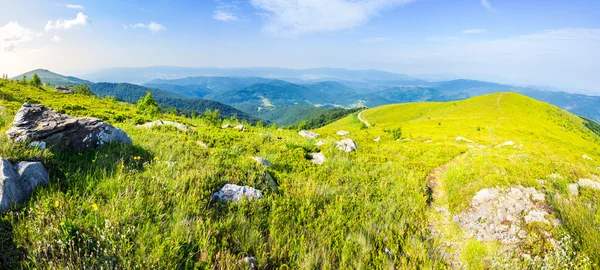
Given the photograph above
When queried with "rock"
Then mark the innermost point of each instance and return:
(240, 128)
(234, 193)
(64, 90)
(44, 126)
(317, 158)
(483, 196)
(251, 262)
(12, 190)
(225, 126)
(32, 174)
(388, 253)
(320, 143)
(308, 134)
(428, 141)
(39, 145)
(588, 183)
(463, 139)
(573, 189)
(587, 157)
(18, 182)
(346, 145)
(271, 181)
(263, 161)
(536, 216)
(507, 143)
(165, 123)
(343, 133)
(377, 139)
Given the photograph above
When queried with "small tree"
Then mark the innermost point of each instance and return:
(147, 105)
(83, 89)
(36, 81)
(24, 80)
(212, 117)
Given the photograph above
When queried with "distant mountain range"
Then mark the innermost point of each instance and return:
(275, 94)
(51, 77)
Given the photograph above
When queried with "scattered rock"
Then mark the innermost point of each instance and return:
(320, 143)
(317, 158)
(240, 128)
(507, 143)
(428, 141)
(165, 123)
(263, 161)
(587, 157)
(308, 134)
(17, 183)
(404, 140)
(46, 127)
(234, 193)
(271, 181)
(463, 139)
(343, 133)
(377, 139)
(64, 90)
(388, 253)
(346, 145)
(495, 213)
(588, 183)
(573, 189)
(225, 126)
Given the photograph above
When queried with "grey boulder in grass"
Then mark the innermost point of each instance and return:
(18, 182)
(44, 127)
(346, 145)
(234, 193)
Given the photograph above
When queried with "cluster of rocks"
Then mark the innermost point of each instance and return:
(18, 182)
(495, 214)
(165, 123)
(584, 182)
(43, 127)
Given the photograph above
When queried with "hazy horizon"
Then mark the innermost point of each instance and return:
(554, 44)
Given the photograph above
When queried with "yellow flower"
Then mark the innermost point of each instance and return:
(156, 158)
(62, 223)
(56, 203)
(94, 207)
(93, 160)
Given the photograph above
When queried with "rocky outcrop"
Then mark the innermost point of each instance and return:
(240, 128)
(308, 134)
(165, 123)
(44, 127)
(234, 193)
(18, 182)
(346, 145)
(317, 158)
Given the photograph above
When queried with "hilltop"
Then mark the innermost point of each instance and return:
(52, 78)
(116, 206)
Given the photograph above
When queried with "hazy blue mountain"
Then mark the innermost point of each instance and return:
(189, 91)
(417, 94)
(147, 74)
(51, 78)
(212, 84)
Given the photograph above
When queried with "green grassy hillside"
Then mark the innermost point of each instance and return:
(52, 78)
(149, 205)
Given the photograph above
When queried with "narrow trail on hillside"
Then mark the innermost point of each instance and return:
(363, 120)
(441, 222)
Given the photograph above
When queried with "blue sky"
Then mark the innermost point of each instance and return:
(554, 42)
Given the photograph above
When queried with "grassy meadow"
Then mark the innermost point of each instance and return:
(148, 205)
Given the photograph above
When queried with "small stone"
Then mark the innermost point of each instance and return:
(251, 262)
(234, 193)
(536, 216)
(586, 157)
(343, 133)
(225, 126)
(522, 234)
(463, 139)
(589, 183)
(240, 128)
(317, 158)
(320, 143)
(377, 139)
(389, 253)
(308, 134)
(573, 189)
(263, 161)
(346, 145)
(165, 123)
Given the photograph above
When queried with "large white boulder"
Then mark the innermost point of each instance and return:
(234, 193)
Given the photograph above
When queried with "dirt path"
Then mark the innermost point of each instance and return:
(363, 120)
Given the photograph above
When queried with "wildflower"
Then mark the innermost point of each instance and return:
(156, 158)
(62, 223)
(93, 161)
(56, 203)
(94, 207)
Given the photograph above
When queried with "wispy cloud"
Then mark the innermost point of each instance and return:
(374, 40)
(474, 31)
(13, 34)
(225, 11)
(224, 16)
(487, 5)
(55, 38)
(152, 26)
(294, 18)
(80, 20)
(71, 6)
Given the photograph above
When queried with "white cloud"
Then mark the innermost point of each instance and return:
(474, 31)
(292, 18)
(80, 20)
(152, 26)
(487, 5)
(71, 6)
(12, 34)
(374, 40)
(224, 16)
(55, 38)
